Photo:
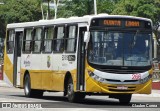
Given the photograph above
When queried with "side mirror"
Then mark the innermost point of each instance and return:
(155, 63)
(86, 36)
(155, 60)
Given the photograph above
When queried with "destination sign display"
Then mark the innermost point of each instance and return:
(125, 23)
(112, 22)
(132, 23)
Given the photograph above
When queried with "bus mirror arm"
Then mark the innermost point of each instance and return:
(86, 38)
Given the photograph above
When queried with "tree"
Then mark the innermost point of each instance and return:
(106, 6)
(48, 7)
(85, 7)
(75, 8)
(14, 11)
(142, 8)
(30, 10)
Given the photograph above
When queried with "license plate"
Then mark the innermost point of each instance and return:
(122, 87)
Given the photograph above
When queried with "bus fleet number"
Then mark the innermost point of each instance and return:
(68, 57)
(136, 76)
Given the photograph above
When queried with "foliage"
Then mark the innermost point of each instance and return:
(74, 8)
(142, 8)
(14, 11)
(21, 10)
(85, 7)
(30, 10)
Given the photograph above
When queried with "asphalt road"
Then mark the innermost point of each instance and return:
(56, 101)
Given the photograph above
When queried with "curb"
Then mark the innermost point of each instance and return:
(145, 95)
(155, 93)
(4, 84)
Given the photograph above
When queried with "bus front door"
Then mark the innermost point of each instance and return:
(81, 60)
(17, 58)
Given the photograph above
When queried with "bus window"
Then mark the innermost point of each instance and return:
(59, 40)
(71, 39)
(37, 40)
(27, 42)
(48, 36)
(140, 45)
(10, 41)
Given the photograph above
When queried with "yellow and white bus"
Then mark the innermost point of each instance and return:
(90, 55)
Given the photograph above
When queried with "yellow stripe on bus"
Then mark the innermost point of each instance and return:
(8, 67)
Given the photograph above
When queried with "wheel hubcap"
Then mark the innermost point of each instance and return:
(70, 89)
(27, 87)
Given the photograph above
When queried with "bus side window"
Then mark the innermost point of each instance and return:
(48, 36)
(10, 41)
(37, 39)
(71, 38)
(27, 41)
(59, 40)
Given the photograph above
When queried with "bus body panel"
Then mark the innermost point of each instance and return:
(46, 76)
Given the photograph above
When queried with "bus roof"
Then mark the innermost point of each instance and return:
(84, 19)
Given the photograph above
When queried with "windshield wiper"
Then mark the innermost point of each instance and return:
(134, 39)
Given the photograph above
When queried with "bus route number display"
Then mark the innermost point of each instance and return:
(132, 24)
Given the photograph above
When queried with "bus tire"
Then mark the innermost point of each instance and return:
(72, 96)
(31, 92)
(125, 99)
(27, 86)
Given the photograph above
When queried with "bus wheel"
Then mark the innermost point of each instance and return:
(31, 92)
(125, 99)
(72, 96)
(27, 86)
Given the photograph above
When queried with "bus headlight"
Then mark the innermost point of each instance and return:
(145, 79)
(95, 77)
(91, 73)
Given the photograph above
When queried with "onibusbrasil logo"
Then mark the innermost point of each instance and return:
(27, 61)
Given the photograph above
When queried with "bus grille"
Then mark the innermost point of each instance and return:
(120, 71)
(115, 89)
(113, 80)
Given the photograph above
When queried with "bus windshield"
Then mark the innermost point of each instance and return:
(120, 48)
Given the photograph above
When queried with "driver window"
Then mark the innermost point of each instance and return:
(140, 45)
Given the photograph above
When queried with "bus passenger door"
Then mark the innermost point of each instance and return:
(81, 60)
(17, 57)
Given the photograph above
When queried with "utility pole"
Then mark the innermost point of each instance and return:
(95, 7)
(90, 9)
